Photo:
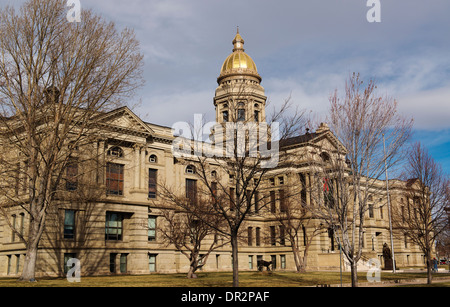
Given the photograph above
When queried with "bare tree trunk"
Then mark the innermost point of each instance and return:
(354, 273)
(28, 273)
(234, 252)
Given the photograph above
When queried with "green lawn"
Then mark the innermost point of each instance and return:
(247, 279)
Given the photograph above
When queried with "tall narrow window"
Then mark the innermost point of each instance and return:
(152, 182)
(69, 224)
(256, 202)
(283, 261)
(123, 263)
(250, 236)
(191, 190)
(9, 266)
(114, 226)
(22, 223)
(152, 262)
(241, 115)
(371, 212)
(282, 235)
(258, 236)
(256, 116)
(283, 205)
(13, 230)
(303, 188)
(272, 235)
(152, 228)
(232, 199)
(272, 202)
(114, 179)
(225, 116)
(112, 262)
(67, 257)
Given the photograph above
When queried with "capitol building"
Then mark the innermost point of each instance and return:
(120, 231)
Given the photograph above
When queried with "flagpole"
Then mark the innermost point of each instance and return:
(389, 207)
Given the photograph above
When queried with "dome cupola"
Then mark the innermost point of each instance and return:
(238, 63)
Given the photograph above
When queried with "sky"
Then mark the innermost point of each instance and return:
(303, 49)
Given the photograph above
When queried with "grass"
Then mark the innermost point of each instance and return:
(214, 279)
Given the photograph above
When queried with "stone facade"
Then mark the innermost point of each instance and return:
(118, 234)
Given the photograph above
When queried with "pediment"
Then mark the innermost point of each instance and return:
(123, 119)
(328, 142)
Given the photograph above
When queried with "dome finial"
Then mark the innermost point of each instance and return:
(238, 42)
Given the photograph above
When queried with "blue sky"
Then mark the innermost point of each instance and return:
(303, 49)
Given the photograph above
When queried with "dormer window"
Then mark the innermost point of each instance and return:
(116, 152)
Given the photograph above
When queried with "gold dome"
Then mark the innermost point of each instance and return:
(239, 62)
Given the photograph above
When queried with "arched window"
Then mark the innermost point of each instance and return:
(115, 152)
(325, 157)
(153, 159)
(190, 169)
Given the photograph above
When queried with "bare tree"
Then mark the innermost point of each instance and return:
(298, 228)
(184, 230)
(342, 182)
(233, 168)
(421, 217)
(55, 78)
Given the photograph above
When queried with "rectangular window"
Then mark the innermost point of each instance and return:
(191, 190)
(283, 206)
(112, 262)
(303, 188)
(272, 202)
(256, 202)
(282, 235)
(232, 199)
(123, 263)
(283, 261)
(68, 256)
(371, 213)
(273, 258)
(13, 230)
(114, 226)
(241, 115)
(114, 179)
(17, 264)
(72, 176)
(258, 236)
(69, 224)
(152, 181)
(250, 262)
(152, 228)
(272, 235)
(152, 262)
(250, 236)
(225, 116)
(9, 267)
